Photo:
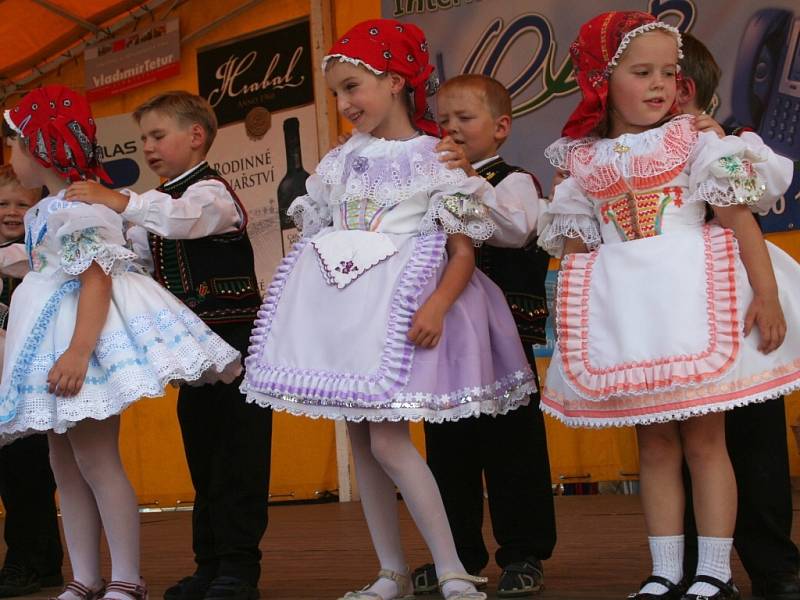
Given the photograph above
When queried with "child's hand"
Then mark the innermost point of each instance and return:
(92, 192)
(453, 155)
(67, 375)
(704, 122)
(767, 315)
(427, 325)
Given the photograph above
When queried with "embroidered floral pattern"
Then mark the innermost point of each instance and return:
(80, 248)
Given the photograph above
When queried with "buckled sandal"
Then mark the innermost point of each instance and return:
(405, 589)
(132, 590)
(473, 579)
(519, 579)
(76, 588)
(725, 591)
(674, 590)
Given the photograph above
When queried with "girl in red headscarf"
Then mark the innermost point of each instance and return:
(88, 335)
(378, 316)
(664, 321)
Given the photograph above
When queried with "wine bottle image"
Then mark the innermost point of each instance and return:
(293, 183)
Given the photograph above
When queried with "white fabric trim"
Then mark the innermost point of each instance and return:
(628, 38)
(348, 59)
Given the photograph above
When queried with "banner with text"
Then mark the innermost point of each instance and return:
(136, 59)
(262, 92)
(525, 46)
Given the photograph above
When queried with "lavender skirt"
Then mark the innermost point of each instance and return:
(320, 351)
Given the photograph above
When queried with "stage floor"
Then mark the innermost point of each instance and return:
(320, 551)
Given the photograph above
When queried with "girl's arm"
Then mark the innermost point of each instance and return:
(765, 309)
(67, 375)
(428, 321)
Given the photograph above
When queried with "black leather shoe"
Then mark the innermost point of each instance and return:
(674, 590)
(18, 580)
(193, 587)
(778, 587)
(521, 579)
(726, 591)
(231, 588)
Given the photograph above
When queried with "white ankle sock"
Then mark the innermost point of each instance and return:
(667, 554)
(713, 559)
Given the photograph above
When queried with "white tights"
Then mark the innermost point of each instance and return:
(384, 457)
(94, 491)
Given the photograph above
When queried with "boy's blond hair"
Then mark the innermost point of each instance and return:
(186, 108)
(493, 93)
(8, 177)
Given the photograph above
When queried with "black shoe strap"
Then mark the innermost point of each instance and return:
(672, 587)
(722, 586)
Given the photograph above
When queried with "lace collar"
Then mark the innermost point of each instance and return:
(386, 172)
(599, 164)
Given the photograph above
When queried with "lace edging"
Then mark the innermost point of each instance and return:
(487, 403)
(552, 408)
(583, 227)
(459, 213)
(310, 217)
(83, 247)
(402, 171)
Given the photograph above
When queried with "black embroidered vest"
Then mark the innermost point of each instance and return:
(9, 285)
(519, 272)
(214, 275)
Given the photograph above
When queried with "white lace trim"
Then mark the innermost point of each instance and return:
(459, 212)
(633, 33)
(561, 227)
(666, 416)
(398, 171)
(309, 216)
(597, 163)
(349, 59)
(406, 406)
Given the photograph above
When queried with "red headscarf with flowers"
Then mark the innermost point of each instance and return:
(384, 45)
(595, 53)
(56, 126)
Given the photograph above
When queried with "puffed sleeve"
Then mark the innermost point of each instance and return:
(312, 212)
(569, 215)
(87, 233)
(737, 170)
(457, 206)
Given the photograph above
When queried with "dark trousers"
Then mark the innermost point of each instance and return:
(227, 443)
(511, 451)
(756, 438)
(28, 490)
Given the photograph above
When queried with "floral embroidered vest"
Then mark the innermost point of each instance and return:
(519, 272)
(213, 275)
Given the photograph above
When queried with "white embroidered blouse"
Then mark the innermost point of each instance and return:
(645, 184)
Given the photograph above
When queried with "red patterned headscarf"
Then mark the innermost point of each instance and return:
(596, 51)
(56, 126)
(384, 45)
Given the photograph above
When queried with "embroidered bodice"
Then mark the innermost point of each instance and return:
(63, 238)
(368, 196)
(396, 187)
(655, 182)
